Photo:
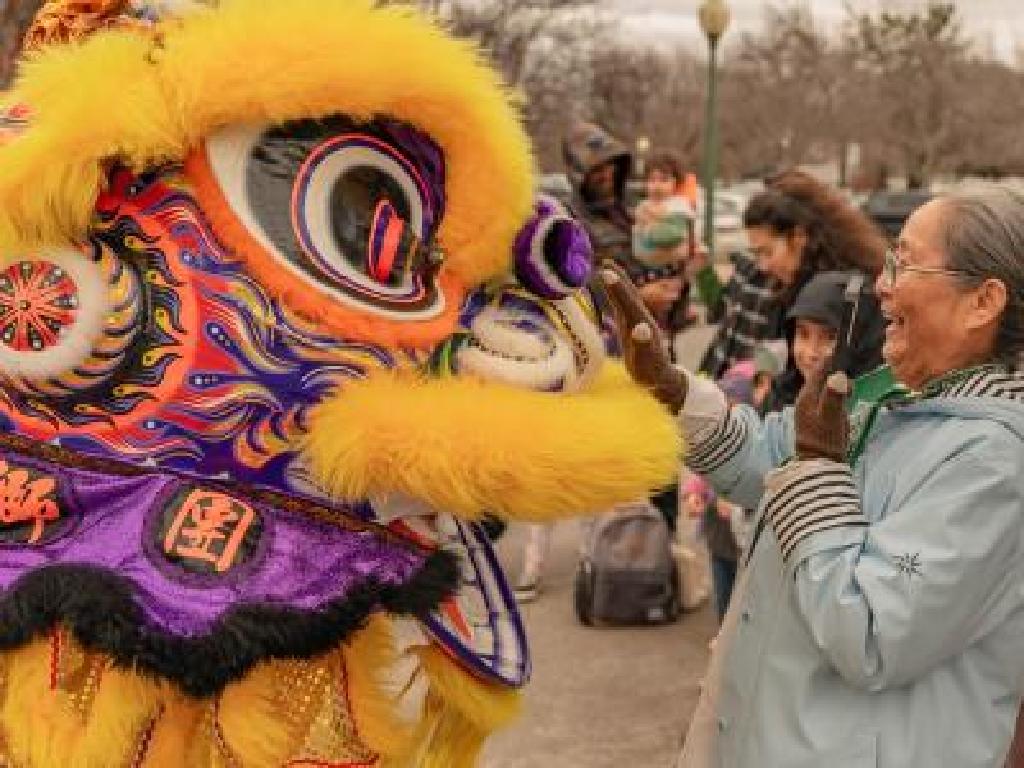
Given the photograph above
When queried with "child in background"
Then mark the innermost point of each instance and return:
(769, 361)
(813, 324)
(699, 501)
(697, 497)
(664, 244)
(814, 321)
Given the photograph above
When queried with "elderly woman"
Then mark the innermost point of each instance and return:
(880, 621)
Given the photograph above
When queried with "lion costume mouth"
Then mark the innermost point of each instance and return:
(469, 447)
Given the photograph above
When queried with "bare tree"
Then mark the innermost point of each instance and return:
(542, 48)
(510, 29)
(914, 63)
(779, 90)
(987, 139)
(643, 92)
(555, 89)
(906, 88)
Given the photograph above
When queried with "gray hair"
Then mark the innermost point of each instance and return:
(984, 238)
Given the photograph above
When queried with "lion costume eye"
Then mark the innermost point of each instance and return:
(349, 209)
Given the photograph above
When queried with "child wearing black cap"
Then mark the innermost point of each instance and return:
(814, 321)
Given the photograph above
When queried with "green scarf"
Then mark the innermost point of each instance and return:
(879, 389)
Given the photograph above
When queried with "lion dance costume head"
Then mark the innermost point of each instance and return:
(280, 320)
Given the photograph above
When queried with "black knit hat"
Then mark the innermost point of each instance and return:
(822, 300)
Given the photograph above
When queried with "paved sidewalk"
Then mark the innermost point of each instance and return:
(605, 697)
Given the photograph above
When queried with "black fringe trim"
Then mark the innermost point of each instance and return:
(99, 608)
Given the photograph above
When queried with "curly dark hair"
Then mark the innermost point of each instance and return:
(839, 237)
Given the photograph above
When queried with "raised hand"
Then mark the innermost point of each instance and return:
(643, 346)
(822, 426)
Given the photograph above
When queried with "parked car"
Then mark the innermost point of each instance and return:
(728, 221)
(889, 210)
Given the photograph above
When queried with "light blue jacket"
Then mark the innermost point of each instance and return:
(898, 642)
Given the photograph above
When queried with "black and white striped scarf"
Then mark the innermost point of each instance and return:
(984, 381)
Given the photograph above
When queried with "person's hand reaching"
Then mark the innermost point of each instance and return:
(643, 347)
(822, 426)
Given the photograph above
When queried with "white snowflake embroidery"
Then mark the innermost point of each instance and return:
(909, 564)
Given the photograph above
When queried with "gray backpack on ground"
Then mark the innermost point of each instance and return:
(626, 573)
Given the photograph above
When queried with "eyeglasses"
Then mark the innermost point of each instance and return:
(894, 267)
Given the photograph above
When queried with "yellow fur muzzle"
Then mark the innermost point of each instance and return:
(468, 447)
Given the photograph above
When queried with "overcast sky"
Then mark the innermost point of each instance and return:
(996, 24)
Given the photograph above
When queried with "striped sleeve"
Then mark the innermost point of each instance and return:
(711, 448)
(808, 497)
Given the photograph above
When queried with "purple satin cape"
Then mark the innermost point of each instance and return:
(189, 582)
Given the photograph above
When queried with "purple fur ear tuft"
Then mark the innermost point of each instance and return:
(553, 256)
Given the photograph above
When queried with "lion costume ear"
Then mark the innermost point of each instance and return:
(143, 94)
(82, 106)
(59, 22)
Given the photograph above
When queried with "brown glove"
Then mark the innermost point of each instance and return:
(822, 426)
(643, 347)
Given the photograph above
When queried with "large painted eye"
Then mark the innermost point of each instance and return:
(358, 212)
(348, 209)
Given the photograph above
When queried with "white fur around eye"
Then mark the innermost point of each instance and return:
(537, 358)
(228, 152)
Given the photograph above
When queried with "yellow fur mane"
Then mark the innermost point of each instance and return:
(470, 447)
(122, 96)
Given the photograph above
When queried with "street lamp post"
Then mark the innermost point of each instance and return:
(714, 18)
(643, 146)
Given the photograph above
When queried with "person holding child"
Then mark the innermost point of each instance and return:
(664, 245)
